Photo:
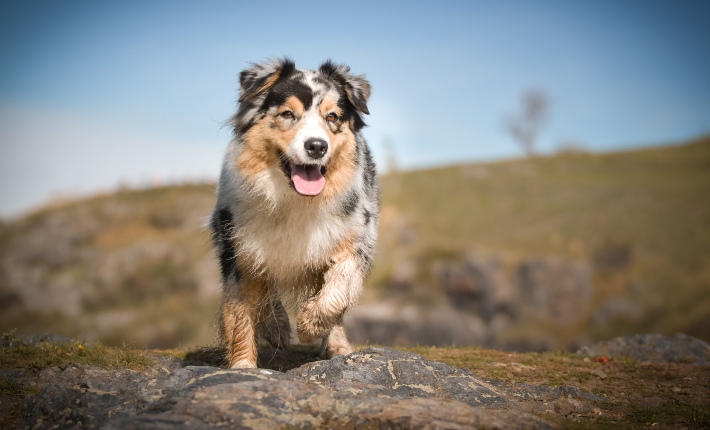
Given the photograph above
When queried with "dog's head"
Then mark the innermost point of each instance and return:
(301, 122)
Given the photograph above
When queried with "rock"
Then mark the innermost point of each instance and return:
(390, 323)
(599, 373)
(614, 309)
(373, 388)
(558, 291)
(473, 285)
(564, 407)
(654, 348)
(479, 301)
(391, 373)
(569, 406)
(652, 402)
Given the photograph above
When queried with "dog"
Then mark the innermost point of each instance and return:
(295, 221)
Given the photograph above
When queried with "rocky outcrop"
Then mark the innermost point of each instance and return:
(654, 348)
(391, 322)
(478, 301)
(373, 388)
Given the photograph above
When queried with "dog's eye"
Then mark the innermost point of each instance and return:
(287, 114)
(331, 117)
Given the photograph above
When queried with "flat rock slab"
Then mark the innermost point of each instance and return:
(654, 348)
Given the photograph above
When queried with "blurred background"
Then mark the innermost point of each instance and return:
(545, 167)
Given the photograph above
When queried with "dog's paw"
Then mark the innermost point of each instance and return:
(336, 343)
(331, 351)
(243, 364)
(310, 325)
(304, 337)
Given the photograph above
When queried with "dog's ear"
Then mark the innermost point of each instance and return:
(259, 78)
(356, 87)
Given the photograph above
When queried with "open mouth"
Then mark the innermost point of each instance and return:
(307, 179)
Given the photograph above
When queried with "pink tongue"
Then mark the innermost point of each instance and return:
(307, 179)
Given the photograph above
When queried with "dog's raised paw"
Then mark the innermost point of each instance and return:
(310, 324)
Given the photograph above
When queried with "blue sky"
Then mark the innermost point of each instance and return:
(98, 94)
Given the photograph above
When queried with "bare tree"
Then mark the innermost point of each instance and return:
(525, 126)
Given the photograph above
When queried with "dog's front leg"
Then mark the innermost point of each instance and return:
(335, 343)
(239, 312)
(323, 313)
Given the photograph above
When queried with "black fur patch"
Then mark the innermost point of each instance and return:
(370, 170)
(222, 227)
(350, 202)
(365, 257)
(285, 88)
(349, 83)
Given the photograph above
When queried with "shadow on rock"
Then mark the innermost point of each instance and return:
(280, 360)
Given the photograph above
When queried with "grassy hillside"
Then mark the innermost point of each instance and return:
(641, 218)
(134, 266)
(137, 265)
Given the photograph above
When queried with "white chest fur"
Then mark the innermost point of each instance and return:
(285, 232)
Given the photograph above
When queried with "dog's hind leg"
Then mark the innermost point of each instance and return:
(240, 310)
(273, 324)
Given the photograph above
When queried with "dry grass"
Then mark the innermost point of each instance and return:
(671, 395)
(34, 358)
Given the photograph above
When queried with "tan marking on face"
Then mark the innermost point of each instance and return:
(326, 107)
(293, 104)
(264, 140)
(329, 105)
(341, 168)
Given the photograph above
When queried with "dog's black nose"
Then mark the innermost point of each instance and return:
(316, 148)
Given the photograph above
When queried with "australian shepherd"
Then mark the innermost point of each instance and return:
(295, 223)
